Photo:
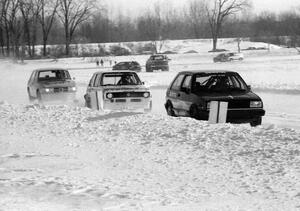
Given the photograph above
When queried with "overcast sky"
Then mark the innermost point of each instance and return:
(133, 6)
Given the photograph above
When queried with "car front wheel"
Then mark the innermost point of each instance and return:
(29, 96)
(256, 122)
(170, 110)
(194, 112)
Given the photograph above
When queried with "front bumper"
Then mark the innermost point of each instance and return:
(237, 115)
(128, 104)
(60, 96)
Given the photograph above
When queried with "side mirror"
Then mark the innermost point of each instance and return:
(143, 82)
(249, 87)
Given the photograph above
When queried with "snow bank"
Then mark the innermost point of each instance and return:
(71, 158)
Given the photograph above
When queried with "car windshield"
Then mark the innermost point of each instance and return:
(218, 82)
(160, 57)
(50, 75)
(115, 79)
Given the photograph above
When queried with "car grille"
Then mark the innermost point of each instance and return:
(127, 94)
(239, 104)
(60, 89)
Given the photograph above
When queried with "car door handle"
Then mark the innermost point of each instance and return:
(178, 95)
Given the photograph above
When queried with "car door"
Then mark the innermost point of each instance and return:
(185, 98)
(92, 91)
(32, 84)
(175, 92)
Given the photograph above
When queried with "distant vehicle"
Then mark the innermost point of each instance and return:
(51, 82)
(131, 65)
(191, 93)
(157, 62)
(117, 90)
(227, 57)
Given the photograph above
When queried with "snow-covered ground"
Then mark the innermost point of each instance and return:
(67, 157)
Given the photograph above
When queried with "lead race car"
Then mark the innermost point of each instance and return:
(117, 90)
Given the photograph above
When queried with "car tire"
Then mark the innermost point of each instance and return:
(256, 122)
(29, 96)
(194, 112)
(38, 96)
(169, 108)
(149, 69)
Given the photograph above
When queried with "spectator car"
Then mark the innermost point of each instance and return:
(226, 57)
(191, 93)
(132, 65)
(49, 83)
(117, 90)
(157, 62)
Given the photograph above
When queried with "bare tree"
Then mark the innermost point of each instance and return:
(72, 13)
(218, 11)
(13, 26)
(196, 13)
(46, 18)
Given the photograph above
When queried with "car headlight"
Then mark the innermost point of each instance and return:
(146, 94)
(74, 88)
(109, 95)
(48, 90)
(255, 104)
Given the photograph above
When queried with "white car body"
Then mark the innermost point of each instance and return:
(104, 93)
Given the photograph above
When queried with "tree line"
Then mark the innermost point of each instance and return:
(27, 23)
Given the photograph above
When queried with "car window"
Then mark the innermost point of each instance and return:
(97, 80)
(177, 83)
(187, 81)
(218, 82)
(92, 80)
(125, 78)
(32, 76)
(46, 75)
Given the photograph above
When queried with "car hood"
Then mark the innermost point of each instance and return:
(60, 83)
(235, 95)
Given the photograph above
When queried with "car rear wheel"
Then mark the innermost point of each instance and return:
(149, 69)
(256, 122)
(194, 112)
(170, 110)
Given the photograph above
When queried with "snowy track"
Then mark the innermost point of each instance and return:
(62, 158)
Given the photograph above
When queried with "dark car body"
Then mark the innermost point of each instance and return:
(47, 82)
(157, 62)
(191, 93)
(132, 65)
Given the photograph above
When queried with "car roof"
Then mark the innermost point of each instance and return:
(206, 71)
(49, 68)
(114, 71)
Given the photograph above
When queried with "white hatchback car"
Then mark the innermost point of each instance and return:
(117, 90)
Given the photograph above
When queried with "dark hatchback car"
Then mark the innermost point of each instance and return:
(191, 93)
(157, 62)
(132, 65)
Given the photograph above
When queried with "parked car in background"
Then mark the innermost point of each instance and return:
(191, 93)
(117, 90)
(130, 65)
(226, 57)
(51, 83)
(157, 62)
